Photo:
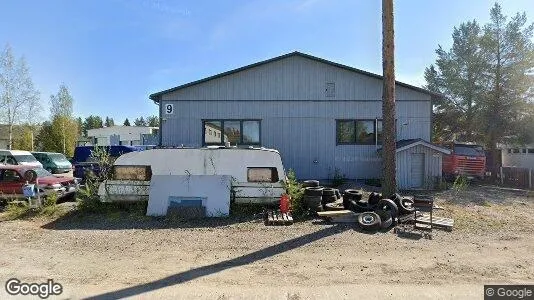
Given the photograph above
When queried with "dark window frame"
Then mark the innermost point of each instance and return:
(355, 142)
(240, 143)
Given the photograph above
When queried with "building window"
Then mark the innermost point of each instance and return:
(330, 90)
(237, 132)
(515, 150)
(530, 150)
(359, 132)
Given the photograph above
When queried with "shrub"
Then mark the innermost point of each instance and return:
(296, 193)
(460, 183)
(339, 178)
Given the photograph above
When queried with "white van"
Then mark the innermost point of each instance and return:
(258, 174)
(18, 157)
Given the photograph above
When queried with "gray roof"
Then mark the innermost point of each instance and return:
(406, 144)
(156, 96)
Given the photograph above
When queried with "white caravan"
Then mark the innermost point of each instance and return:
(257, 174)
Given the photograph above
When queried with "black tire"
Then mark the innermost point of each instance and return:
(312, 202)
(328, 199)
(386, 220)
(406, 206)
(374, 198)
(329, 192)
(388, 205)
(338, 194)
(369, 220)
(352, 194)
(313, 191)
(333, 206)
(396, 198)
(359, 206)
(310, 183)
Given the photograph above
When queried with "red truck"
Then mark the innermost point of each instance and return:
(465, 159)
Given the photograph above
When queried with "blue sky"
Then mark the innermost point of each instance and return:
(113, 53)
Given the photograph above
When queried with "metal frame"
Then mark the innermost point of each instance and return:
(222, 131)
(375, 127)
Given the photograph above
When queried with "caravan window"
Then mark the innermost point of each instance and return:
(262, 175)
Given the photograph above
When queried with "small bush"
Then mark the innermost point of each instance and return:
(296, 193)
(16, 210)
(339, 178)
(50, 200)
(460, 183)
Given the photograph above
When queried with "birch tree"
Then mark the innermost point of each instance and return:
(19, 100)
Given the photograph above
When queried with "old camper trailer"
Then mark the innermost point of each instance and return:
(257, 173)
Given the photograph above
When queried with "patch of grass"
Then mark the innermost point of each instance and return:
(461, 183)
(338, 179)
(21, 210)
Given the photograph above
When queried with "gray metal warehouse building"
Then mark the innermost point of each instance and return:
(322, 116)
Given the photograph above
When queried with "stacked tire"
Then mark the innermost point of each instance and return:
(313, 198)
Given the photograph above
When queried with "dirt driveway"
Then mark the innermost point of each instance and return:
(109, 257)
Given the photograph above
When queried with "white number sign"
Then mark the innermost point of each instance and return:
(169, 109)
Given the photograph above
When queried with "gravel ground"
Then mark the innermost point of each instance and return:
(117, 255)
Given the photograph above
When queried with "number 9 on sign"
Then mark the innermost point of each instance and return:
(169, 109)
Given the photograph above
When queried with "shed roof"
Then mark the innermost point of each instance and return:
(407, 144)
(156, 96)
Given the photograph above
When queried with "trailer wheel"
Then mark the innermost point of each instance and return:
(369, 221)
(406, 206)
(310, 183)
(385, 218)
(388, 205)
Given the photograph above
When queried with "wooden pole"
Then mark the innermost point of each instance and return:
(388, 99)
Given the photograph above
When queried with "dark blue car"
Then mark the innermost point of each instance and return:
(84, 162)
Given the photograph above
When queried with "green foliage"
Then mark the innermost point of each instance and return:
(50, 200)
(88, 194)
(339, 178)
(296, 193)
(460, 183)
(485, 80)
(53, 134)
(109, 122)
(24, 140)
(92, 122)
(61, 103)
(126, 122)
(140, 121)
(152, 121)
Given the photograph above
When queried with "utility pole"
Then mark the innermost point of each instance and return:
(388, 100)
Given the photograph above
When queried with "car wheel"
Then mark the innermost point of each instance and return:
(388, 205)
(396, 198)
(369, 221)
(374, 198)
(386, 219)
(406, 206)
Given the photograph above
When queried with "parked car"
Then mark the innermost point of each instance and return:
(55, 163)
(12, 180)
(18, 157)
(84, 162)
(258, 174)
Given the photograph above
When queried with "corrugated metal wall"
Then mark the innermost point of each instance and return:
(288, 95)
(432, 170)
